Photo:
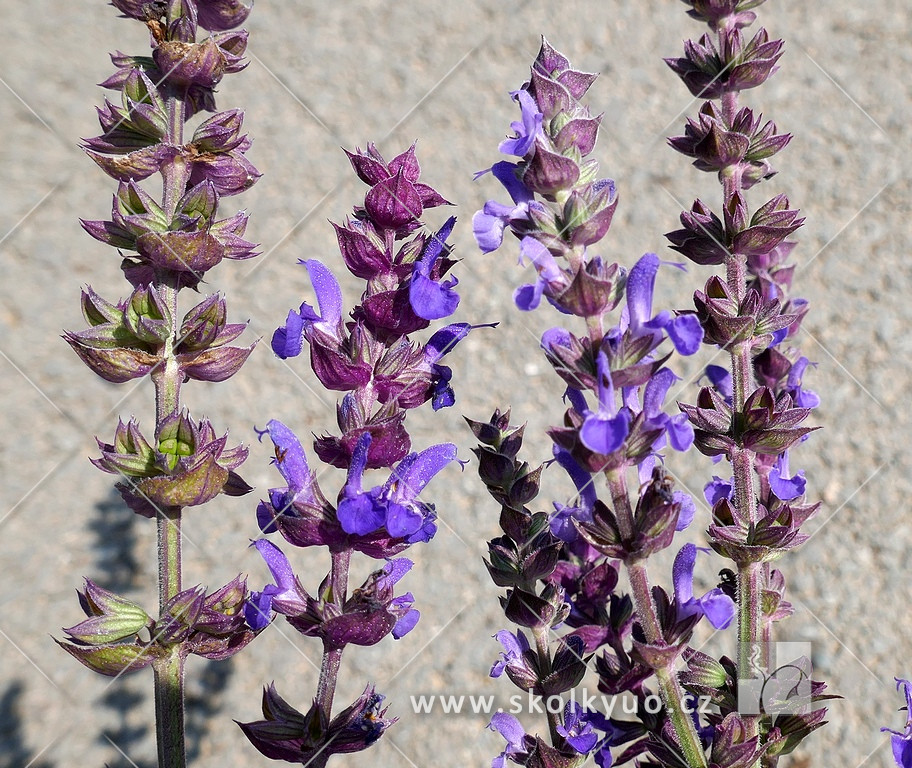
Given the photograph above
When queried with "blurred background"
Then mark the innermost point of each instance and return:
(326, 75)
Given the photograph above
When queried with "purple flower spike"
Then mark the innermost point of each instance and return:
(715, 605)
(432, 299)
(526, 129)
(604, 432)
(287, 341)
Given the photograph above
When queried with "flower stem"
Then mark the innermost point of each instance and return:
(169, 672)
(751, 630)
(544, 665)
(332, 657)
(669, 688)
(169, 709)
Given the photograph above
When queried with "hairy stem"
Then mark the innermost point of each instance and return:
(751, 631)
(669, 688)
(169, 709)
(169, 672)
(544, 664)
(332, 657)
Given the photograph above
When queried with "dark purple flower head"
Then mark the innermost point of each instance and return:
(715, 605)
(396, 199)
(554, 84)
(311, 738)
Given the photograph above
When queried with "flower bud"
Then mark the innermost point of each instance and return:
(188, 466)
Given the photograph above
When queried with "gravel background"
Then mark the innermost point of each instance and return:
(331, 74)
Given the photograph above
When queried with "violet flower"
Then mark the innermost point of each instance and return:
(394, 505)
(715, 605)
(901, 741)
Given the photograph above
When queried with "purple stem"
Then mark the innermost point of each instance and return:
(751, 630)
(332, 657)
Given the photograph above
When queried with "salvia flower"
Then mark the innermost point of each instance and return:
(395, 505)
(371, 613)
(715, 605)
(311, 738)
(901, 741)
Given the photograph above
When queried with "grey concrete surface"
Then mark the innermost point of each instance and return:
(329, 74)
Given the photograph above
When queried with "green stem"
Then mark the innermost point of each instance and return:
(669, 688)
(169, 672)
(169, 554)
(169, 710)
